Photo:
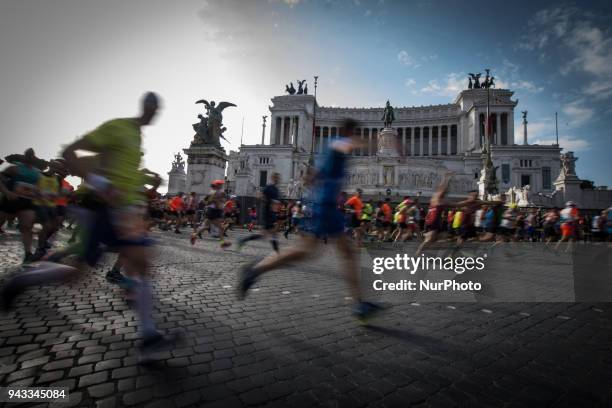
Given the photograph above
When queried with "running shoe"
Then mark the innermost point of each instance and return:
(225, 244)
(29, 257)
(157, 343)
(38, 255)
(364, 311)
(7, 295)
(114, 276)
(126, 283)
(193, 239)
(246, 280)
(239, 245)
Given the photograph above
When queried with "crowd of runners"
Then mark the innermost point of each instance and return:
(117, 204)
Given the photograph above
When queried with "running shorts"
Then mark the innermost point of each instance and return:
(567, 230)
(214, 213)
(44, 214)
(103, 231)
(328, 221)
(16, 205)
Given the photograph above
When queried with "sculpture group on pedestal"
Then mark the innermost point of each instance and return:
(294, 189)
(567, 164)
(210, 129)
(178, 164)
(488, 172)
(474, 81)
(302, 88)
(519, 196)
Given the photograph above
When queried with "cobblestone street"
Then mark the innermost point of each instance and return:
(293, 341)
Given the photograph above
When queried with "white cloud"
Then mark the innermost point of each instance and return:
(585, 47)
(542, 132)
(450, 86)
(600, 89)
(409, 82)
(578, 114)
(528, 86)
(509, 76)
(405, 59)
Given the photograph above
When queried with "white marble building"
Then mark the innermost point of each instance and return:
(432, 139)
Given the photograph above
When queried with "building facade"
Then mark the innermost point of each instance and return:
(430, 141)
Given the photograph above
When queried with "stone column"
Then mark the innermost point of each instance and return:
(448, 139)
(511, 128)
(272, 129)
(403, 141)
(420, 141)
(369, 141)
(525, 131)
(412, 141)
(282, 132)
(361, 149)
(430, 140)
(321, 141)
(498, 126)
(439, 140)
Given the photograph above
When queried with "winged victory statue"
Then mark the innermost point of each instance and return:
(210, 129)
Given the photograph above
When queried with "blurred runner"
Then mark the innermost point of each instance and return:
(214, 213)
(117, 219)
(271, 201)
(20, 189)
(327, 220)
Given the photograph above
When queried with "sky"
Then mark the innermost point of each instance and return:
(68, 65)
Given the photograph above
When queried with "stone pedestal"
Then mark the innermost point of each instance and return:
(176, 181)
(569, 184)
(204, 164)
(387, 143)
(482, 185)
(243, 184)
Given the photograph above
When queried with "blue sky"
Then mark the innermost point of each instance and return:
(68, 65)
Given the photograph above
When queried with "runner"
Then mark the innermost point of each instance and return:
(433, 219)
(328, 220)
(387, 219)
(190, 209)
(116, 222)
(270, 197)
(214, 213)
(550, 221)
(44, 207)
(177, 207)
(18, 193)
(353, 207)
(252, 218)
(366, 218)
(65, 193)
(568, 217)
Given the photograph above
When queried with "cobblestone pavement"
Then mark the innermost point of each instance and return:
(293, 341)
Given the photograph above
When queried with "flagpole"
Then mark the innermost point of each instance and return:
(314, 119)
(557, 128)
(242, 131)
